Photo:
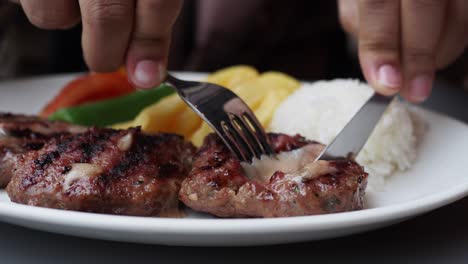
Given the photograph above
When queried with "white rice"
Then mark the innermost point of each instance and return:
(319, 111)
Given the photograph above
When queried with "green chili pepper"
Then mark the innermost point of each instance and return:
(112, 111)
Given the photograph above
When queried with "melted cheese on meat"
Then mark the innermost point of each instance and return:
(79, 172)
(287, 162)
(125, 142)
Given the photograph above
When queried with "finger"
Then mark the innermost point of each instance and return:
(349, 16)
(107, 26)
(52, 14)
(421, 28)
(149, 46)
(455, 33)
(379, 46)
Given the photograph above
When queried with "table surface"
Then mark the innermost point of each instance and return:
(440, 236)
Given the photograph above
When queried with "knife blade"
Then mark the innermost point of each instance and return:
(352, 138)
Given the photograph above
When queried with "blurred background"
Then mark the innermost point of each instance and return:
(302, 38)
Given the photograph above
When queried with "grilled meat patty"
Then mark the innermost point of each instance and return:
(20, 134)
(110, 171)
(34, 127)
(218, 184)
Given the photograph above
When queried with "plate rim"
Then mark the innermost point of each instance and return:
(233, 225)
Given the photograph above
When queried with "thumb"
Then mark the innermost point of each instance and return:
(149, 46)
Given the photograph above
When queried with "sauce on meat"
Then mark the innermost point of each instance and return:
(286, 162)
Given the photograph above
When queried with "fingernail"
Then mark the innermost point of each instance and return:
(148, 73)
(420, 87)
(389, 76)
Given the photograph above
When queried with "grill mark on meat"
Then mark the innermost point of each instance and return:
(44, 161)
(131, 157)
(135, 153)
(40, 167)
(20, 134)
(98, 140)
(64, 142)
(222, 188)
(142, 180)
(87, 151)
(33, 145)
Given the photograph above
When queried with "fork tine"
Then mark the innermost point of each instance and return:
(234, 141)
(258, 130)
(246, 133)
(243, 135)
(252, 136)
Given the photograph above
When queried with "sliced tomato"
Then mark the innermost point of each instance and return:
(89, 88)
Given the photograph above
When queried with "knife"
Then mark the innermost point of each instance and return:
(349, 142)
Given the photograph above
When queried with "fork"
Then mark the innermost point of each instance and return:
(227, 114)
(352, 138)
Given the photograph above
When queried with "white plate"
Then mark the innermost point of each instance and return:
(438, 178)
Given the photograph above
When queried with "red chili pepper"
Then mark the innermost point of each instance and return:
(89, 88)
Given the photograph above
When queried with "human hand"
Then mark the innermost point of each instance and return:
(136, 33)
(403, 42)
